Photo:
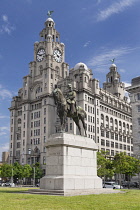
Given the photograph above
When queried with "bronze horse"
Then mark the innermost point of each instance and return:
(64, 112)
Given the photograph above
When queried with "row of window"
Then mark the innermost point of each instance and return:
(111, 152)
(114, 122)
(35, 141)
(117, 114)
(35, 132)
(36, 106)
(116, 145)
(116, 136)
(35, 115)
(116, 104)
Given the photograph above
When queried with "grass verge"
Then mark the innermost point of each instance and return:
(14, 199)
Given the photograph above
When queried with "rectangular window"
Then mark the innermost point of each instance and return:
(112, 152)
(116, 145)
(102, 142)
(70, 126)
(107, 134)
(44, 139)
(44, 129)
(102, 133)
(18, 144)
(138, 108)
(112, 135)
(138, 121)
(138, 96)
(23, 133)
(112, 144)
(107, 143)
(116, 136)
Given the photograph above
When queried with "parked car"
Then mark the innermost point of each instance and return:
(112, 185)
(8, 184)
(130, 184)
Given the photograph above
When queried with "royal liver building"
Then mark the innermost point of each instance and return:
(33, 115)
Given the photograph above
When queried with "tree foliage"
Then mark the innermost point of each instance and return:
(6, 170)
(104, 165)
(125, 164)
(120, 164)
(38, 171)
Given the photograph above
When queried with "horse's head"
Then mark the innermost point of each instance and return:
(58, 96)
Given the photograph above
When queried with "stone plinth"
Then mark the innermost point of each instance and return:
(71, 164)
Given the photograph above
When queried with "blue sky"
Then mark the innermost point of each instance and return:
(93, 31)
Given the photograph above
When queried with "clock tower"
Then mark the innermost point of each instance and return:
(33, 114)
(49, 57)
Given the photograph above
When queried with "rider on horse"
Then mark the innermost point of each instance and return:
(71, 95)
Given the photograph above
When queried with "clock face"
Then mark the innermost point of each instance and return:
(40, 54)
(57, 55)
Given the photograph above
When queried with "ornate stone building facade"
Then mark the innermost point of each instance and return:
(134, 91)
(33, 113)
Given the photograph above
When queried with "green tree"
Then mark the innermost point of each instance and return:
(104, 165)
(6, 171)
(26, 171)
(125, 164)
(38, 171)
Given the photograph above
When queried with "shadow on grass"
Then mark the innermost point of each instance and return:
(12, 190)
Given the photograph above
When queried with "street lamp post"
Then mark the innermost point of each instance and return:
(34, 177)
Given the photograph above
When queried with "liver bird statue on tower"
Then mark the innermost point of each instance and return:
(50, 13)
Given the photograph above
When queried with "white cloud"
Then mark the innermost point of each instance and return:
(6, 27)
(3, 116)
(122, 70)
(4, 93)
(115, 8)
(4, 128)
(87, 43)
(3, 133)
(101, 61)
(127, 84)
(5, 18)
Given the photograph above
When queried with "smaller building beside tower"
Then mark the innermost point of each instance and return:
(134, 91)
(5, 157)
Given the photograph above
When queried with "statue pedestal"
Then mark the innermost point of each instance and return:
(70, 165)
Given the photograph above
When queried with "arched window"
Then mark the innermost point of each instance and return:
(111, 120)
(107, 119)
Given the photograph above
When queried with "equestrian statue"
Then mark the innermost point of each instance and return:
(66, 107)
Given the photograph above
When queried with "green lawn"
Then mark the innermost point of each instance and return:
(10, 198)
